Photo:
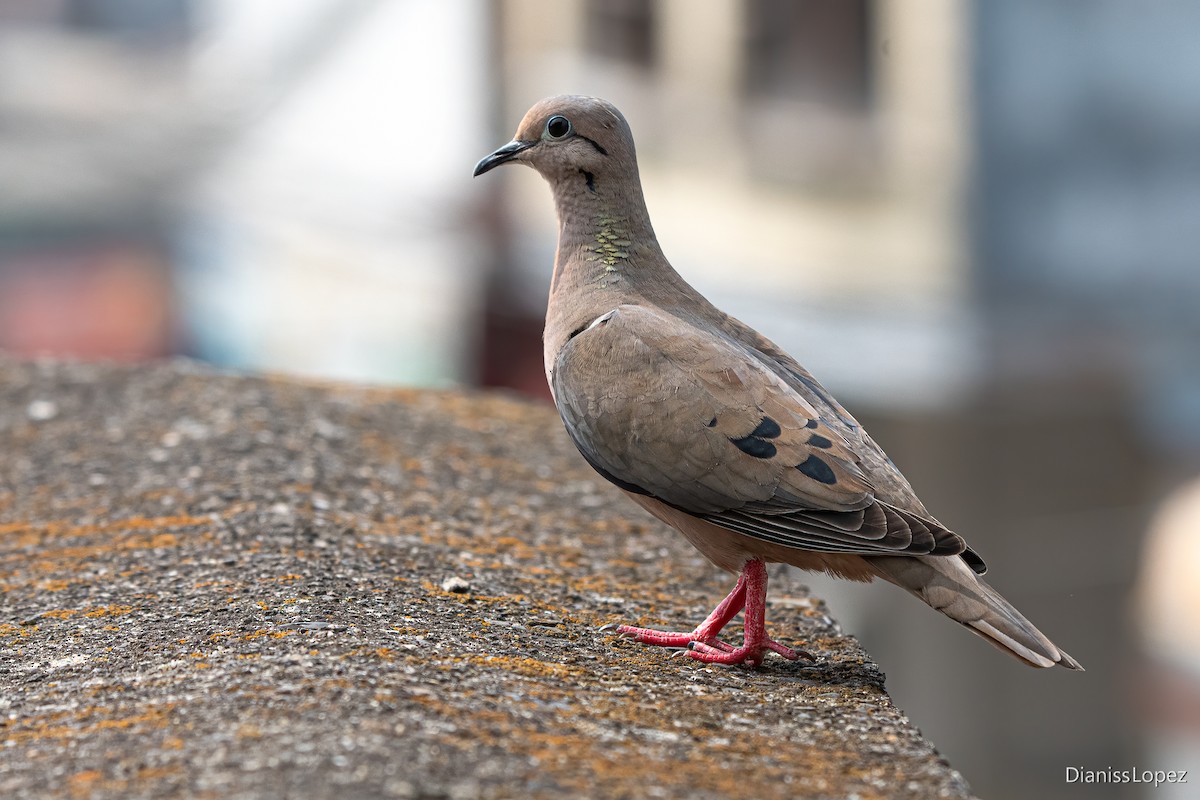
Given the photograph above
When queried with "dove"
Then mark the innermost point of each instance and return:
(710, 426)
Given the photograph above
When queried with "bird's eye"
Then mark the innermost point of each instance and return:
(557, 127)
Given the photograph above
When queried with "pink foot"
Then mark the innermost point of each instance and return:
(665, 638)
(750, 594)
(751, 655)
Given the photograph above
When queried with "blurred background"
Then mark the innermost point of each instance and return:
(977, 223)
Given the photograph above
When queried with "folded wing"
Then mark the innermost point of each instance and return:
(692, 418)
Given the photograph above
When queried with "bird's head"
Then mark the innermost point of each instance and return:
(569, 136)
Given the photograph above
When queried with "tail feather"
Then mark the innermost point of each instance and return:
(949, 585)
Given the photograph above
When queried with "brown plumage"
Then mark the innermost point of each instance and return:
(710, 426)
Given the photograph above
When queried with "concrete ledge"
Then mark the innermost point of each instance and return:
(221, 586)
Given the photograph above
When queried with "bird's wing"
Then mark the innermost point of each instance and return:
(689, 416)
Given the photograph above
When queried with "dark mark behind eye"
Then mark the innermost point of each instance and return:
(818, 470)
(591, 180)
(594, 144)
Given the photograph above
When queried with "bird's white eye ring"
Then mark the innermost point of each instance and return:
(558, 127)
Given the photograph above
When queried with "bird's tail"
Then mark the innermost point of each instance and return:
(948, 585)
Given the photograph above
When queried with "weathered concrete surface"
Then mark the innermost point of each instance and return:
(218, 586)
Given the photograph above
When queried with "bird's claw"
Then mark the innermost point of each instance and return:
(789, 653)
(709, 650)
(660, 638)
(750, 655)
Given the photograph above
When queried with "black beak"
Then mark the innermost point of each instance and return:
(506, 153)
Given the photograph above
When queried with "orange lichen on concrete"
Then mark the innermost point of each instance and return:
(90, 611)
(61, 613)
(84, 722)
(90, 783)
(261, 632)
(248, 730)
(528, 667)
(32, 534)
(108, 611)
(7, 629)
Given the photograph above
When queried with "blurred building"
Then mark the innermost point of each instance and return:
(258, 184)
(331, 237)
(96, 133)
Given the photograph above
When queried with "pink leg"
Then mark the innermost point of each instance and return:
(750, 593)
(755, 642)
(705, 632)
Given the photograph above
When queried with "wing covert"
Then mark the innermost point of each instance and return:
(687, 416)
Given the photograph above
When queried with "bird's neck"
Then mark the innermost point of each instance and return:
(604, 234)
(607, 256)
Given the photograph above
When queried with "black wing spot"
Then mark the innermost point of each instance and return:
(591, 180)
(767, 429)
(818, 470)
(754, 446)
(712, 423)
(817, 440)
(812, 423)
